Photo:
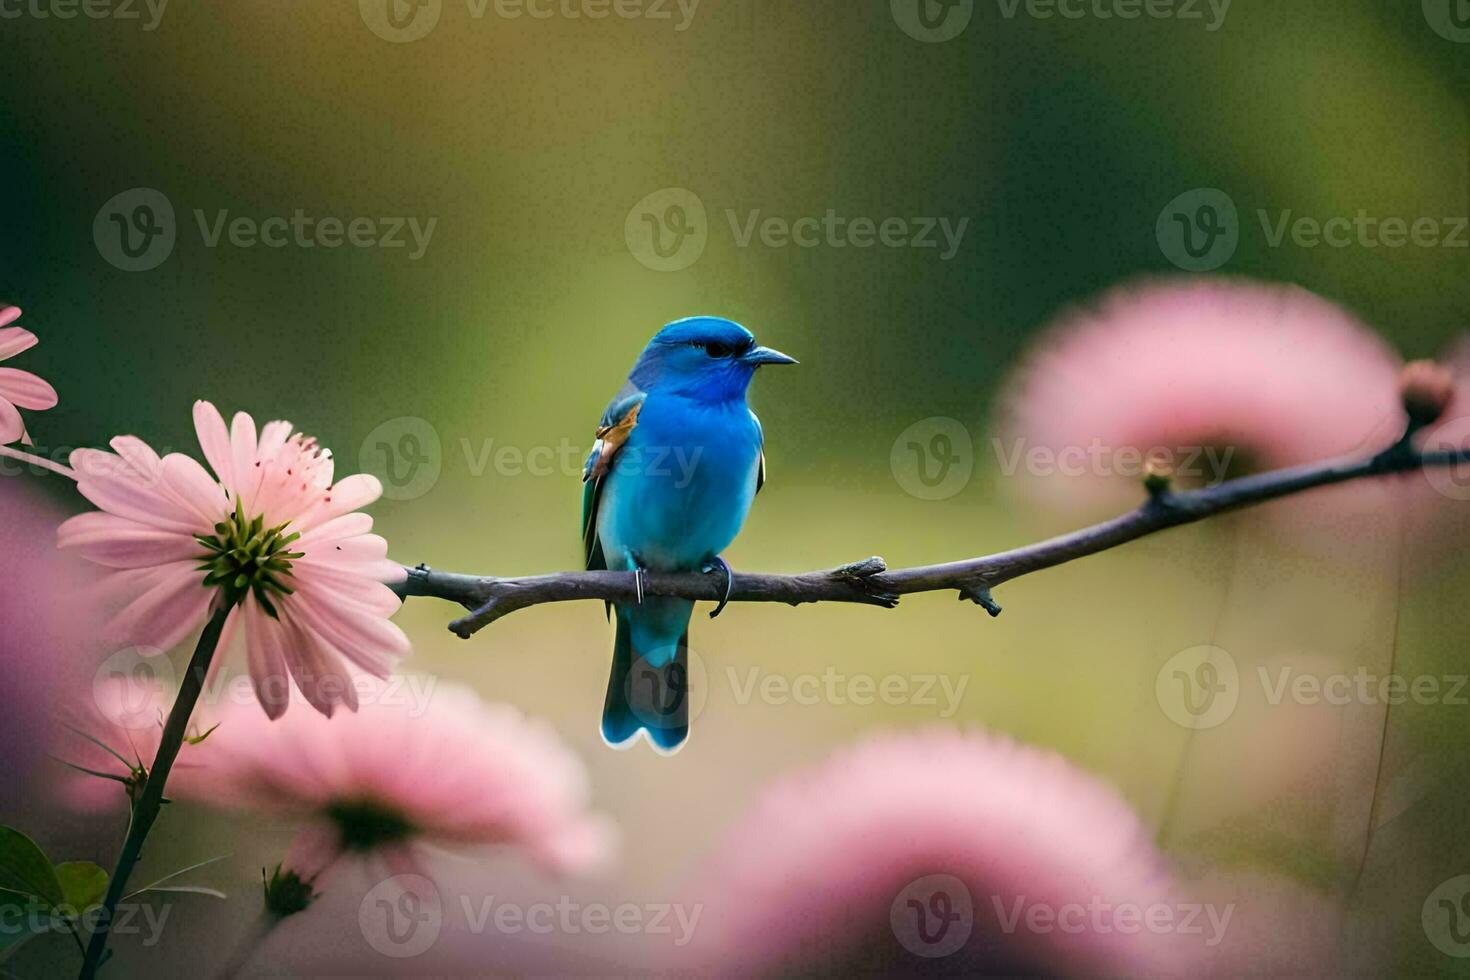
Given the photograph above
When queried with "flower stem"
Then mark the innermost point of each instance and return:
(145, 811)
(45, 464)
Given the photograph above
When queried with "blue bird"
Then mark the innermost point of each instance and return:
(677, 462)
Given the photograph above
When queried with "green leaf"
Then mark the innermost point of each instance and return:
(196, 739)
(82, 883)
(25, 870)
(183, 890)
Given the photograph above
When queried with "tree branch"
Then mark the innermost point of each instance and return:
(871, 582)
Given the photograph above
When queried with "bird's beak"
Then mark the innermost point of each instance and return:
(765, 355)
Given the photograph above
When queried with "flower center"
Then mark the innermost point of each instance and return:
(367, 824)
(245, 557)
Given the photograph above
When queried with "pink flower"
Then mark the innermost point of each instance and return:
(1270, 375)
(398, 777)
(907, 842)
(18, 389)
(47, 633)
(271, 537)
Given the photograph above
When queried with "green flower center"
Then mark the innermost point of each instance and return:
(365, 824)
(244, 557)
(285, 892)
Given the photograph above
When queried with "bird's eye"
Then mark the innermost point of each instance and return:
(716, 349)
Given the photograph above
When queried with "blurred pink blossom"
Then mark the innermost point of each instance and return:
(273, 537)
(837, 868)
(45, 630)
(396, 777)
(18, 389)
(1271, 374)
(110, 735)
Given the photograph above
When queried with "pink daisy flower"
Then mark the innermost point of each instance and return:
(18, 389)
(270, 536)
(1259, 375)
(935, 848)
(397, 778)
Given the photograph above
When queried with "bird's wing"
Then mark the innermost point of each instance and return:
(612, 431)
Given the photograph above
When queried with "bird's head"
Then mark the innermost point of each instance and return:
(702, 357)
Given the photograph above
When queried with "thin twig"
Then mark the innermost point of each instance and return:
(870, 582)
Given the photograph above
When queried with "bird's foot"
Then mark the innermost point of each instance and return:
(719, 564)
(635, 563)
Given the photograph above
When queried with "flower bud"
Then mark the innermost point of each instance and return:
(1426, 388)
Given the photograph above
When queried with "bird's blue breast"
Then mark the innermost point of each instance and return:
(682, 485)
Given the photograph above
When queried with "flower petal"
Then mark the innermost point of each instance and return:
(138, 454)
(26, 390)
(265, 657)
(242, 445)
(367, 640)
(193, 486)
(347, 495)
(314, 848)
(9, 314)
(346, 526)
(14, 340)
(117, 542)
(107, 481)
(11, 426)
(214, 439)
(173, 603)
(316, 668)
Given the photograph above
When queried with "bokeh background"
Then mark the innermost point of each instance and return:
(470, 376)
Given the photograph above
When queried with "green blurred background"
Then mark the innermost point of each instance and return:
(529, 141)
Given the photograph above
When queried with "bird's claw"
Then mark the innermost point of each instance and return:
(638, 574)
(720, 563)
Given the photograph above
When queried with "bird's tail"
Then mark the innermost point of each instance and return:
(648, 690)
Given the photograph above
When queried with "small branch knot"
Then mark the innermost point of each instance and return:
(980, 595)
(866, 568)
